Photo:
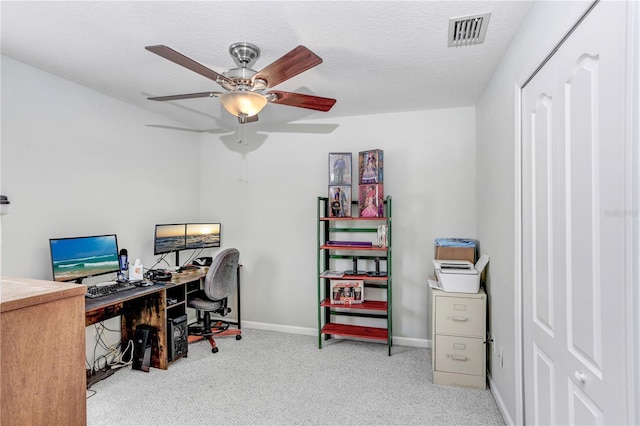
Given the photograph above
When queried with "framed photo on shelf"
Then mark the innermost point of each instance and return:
(347, 292)
(340, 201)
(340, 168)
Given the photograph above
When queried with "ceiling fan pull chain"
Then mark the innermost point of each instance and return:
(239, 134)
(242, 139)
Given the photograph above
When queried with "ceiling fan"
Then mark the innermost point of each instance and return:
(247, 90)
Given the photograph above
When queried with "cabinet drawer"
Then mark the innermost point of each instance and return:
(460, 315)
(460, 355)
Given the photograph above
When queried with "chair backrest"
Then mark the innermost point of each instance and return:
(220, 281)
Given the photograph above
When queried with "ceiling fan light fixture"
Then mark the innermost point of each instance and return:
(243, 103)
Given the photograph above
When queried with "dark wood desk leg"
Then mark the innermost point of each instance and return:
(148, 311)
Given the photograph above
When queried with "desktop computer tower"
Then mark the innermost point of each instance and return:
(177, 335)
(142, 346)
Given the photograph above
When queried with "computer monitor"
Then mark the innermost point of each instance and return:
(203, 235)
(169, 238)
(76, 258)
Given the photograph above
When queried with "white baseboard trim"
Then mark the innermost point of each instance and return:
(402, 341)
(280, 328)
(410, 341)
(496, 395)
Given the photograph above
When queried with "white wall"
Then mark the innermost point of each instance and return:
(75, 162)
(265, 194)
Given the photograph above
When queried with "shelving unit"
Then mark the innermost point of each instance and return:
(329, 255)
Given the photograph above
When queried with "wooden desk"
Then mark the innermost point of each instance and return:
(42, 353)
(151, 306)
(148, 306)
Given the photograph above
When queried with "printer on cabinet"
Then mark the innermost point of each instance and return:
(458, 276)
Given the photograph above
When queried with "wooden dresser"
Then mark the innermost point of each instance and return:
(42, 351)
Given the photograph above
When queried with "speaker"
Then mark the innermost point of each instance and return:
(177, 335)
(142, 346)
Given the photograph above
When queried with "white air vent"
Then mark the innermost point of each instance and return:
(468, 29)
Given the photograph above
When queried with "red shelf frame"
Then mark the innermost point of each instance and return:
(374, 333)
(356, 277)
(334, 247)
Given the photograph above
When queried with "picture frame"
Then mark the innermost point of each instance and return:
(347, 292)
(340, 201)
(340, 168)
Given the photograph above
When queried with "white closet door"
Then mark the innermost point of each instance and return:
(574, 270)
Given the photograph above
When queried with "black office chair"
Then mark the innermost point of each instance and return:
(219, 284)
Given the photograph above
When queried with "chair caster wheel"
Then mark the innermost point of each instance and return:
(214, 350)
(238, 337)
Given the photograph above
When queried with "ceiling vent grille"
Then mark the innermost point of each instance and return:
(468, 30)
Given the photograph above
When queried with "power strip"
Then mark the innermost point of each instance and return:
(98, 375)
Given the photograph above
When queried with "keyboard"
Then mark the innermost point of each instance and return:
(104, 289)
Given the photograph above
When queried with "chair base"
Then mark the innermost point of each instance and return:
(219, 328)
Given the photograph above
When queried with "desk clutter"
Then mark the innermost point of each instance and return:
(158, 275)
(156, 319)
(153, 304)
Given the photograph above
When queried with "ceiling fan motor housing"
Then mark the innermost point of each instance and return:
(244, 54)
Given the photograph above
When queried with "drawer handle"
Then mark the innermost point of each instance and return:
(462, 319)
(458, 357)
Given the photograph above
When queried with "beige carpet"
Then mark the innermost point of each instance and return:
(271, 378)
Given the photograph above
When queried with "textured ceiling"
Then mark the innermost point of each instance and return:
(378, 57)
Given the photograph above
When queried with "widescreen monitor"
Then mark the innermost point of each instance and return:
(169, 238)
(203, 235)
(73, 259)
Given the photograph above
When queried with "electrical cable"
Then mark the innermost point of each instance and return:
(194, 255)
(161, 259)
(113, 354)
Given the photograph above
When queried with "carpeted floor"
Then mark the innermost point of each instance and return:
(272, 378)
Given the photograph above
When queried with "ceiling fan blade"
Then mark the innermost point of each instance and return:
(180, 59)
(293, 63)
(185, 96)
(185, 129)
(303, 101)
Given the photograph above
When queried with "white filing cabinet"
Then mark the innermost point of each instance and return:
(459, 338)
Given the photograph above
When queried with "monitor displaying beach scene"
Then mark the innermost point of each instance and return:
(203, 235)
(81, 257)
(169, 238)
